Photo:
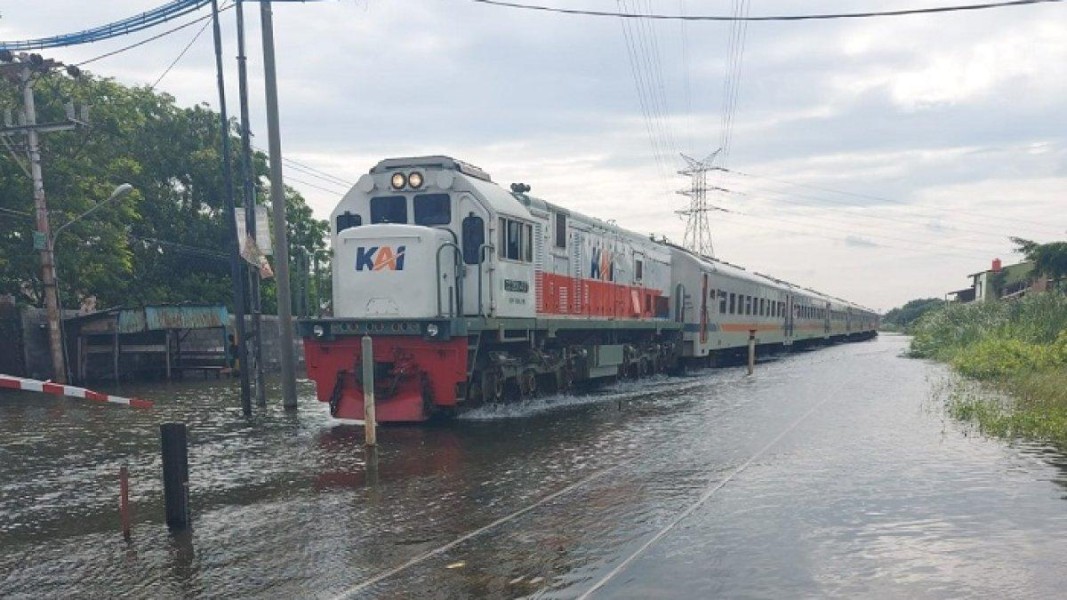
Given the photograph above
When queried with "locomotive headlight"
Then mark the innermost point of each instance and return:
(432, 330)
(415, 180)
(318, 331)
(398, 181)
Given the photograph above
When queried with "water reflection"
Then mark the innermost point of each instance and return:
(875, 494)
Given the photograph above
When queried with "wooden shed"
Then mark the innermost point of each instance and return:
(148, 342)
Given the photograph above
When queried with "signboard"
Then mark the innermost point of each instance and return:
(263, 240)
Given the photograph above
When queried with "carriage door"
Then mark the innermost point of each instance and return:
(789, 319)
(474, 232)
(826, 319)
(704, 312)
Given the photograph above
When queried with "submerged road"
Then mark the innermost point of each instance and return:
(832, 473)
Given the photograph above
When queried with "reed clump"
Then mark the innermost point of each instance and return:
(1017, 349)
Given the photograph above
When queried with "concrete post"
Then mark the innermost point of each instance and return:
(751, 351)
(124, 501)
(277, 200)
(175, 451)
(369, 422)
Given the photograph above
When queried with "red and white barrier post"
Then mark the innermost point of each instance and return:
(11, 382)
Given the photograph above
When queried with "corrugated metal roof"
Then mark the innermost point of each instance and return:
(161, 316)
(185, 317)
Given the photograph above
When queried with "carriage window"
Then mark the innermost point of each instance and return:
(516, 240)
(762, 307)
(748, 305)
(433, 209)
(348, 221)
(732, 303)
(722, 302)
(473, 238)
(388, 209)
(561, 232)
(639, 269)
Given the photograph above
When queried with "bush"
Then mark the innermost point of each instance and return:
(995, 358)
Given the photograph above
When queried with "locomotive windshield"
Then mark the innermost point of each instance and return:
(433, 209)
(388, 209)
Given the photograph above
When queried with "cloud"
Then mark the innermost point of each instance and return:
(856, 241)
(945, 132)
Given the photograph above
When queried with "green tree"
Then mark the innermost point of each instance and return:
(168, 241)
(1049, 259)
(902, 317)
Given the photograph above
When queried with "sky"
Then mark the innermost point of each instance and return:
(878, 160)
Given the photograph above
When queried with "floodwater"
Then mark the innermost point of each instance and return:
(832, 473)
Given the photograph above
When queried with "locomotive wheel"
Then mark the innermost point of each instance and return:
(528, 382)
(564, 379)
(492, 385)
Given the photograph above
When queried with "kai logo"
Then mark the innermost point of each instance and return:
(380, 258)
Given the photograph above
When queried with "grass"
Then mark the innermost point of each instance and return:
(1017, 354)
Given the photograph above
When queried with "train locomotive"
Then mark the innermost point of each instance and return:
(473, 293)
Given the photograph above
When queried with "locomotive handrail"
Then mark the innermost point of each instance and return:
(679, 303)
(481, 261)
(458, 273)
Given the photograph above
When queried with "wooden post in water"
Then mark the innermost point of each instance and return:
(369, 422)
(124, 501)
(175, 475)
(751, 351)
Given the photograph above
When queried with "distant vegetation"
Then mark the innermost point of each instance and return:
(900, 319)
(1017, 350)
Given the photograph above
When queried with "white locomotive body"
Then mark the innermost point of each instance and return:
(472, 293)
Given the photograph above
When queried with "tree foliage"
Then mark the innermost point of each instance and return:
(904, 316)
(168, 241)
(1049, 259)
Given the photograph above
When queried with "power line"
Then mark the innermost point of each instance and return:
(322, 173)
(18, 213)
(149, 39)
(182, 53)
(326, 177)
(809, 17)
(986, 233)
(886, 200)
(309, 184)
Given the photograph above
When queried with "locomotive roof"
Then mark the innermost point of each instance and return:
(435, 161)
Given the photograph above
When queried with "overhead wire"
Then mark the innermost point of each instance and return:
(883, 199)
(881, 238)
(181, 55)
(148, 39)
(644, 99)
(862, 212)
(820, 219)
(687, 92)
(806, 17)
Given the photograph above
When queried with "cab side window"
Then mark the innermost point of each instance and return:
(347, 221)
(473, 238)
(516, 240)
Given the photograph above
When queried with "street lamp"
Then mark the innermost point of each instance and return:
(120, 192)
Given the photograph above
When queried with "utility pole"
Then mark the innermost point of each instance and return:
(277, 200)
(237, 268)
(22, 68)
(249, 201)
(697, 228)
